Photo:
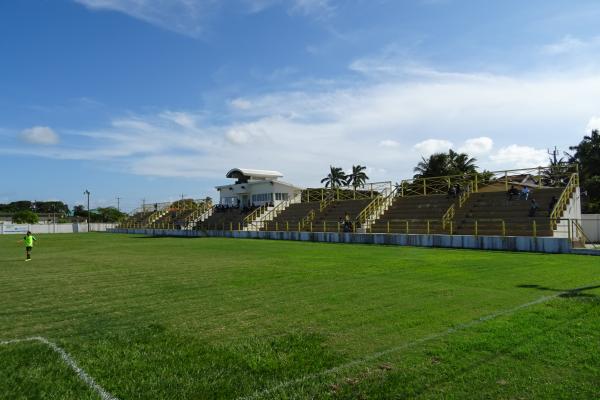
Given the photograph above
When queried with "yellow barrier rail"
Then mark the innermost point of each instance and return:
(255, 214)
(565, 197)
(375, 206)
(551, 176)
(448, 217)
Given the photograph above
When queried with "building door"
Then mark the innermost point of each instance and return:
(245, 201)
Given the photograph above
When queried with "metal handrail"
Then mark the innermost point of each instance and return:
(564, 198)
(448, 216)
(278, 207)
(255, 214)
(308, 218)
(376, 205)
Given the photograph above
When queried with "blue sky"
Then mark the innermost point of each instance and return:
(157, 98)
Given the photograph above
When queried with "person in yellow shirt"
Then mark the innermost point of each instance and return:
(28, 239)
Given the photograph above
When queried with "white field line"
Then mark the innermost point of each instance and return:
(374, 356)
(88, 380)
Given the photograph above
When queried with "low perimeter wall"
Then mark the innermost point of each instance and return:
(508, 243)
(17, 229)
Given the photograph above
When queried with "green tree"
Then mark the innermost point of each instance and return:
(357, 177)
(25, 217)
(107, 214)
(335, 178)
(460, 163)
(587, 155)
(80, 211)
(435, 165)
(443, 164)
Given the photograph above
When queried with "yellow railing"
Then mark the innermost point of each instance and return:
(564, 199)
(375, 206)
(271, 214)
(578, 235)
(255, 214)
(465, 194)
(551, 176)
(367, 191)
(307, 220)
(325, 203)
(448, 217)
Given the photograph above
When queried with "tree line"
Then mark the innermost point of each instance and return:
(28, 212)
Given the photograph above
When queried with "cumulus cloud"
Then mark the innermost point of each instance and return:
(520, 156)
(593, 124)
(303, 131)
(41, 135)
(477, 146)
(431, 146)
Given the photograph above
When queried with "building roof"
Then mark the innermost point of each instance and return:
(236, 173)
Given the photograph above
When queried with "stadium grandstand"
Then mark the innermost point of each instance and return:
(535, 202)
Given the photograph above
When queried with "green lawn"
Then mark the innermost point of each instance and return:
(169, 318)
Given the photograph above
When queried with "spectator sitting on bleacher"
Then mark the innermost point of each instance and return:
(451, 192)
(458, 190)
(525, 193)
(533, 207)
(513, 191)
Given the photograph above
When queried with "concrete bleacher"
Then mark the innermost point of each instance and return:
(326, 220)
(173, 218)
(329, 219)
(226, 219)
(139, 219)
(491, 209)
(289, 219)
(412, 213)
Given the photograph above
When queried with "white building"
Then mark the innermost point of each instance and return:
(256, 187)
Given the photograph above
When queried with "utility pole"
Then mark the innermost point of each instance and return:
(118, 204)
(182, 196)
(87, 192)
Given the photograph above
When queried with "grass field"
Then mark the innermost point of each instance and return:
(169, 318)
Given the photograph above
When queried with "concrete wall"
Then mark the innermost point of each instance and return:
(6, 229)
(591, 226)
(509, 243)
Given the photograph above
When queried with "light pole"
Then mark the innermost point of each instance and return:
(87, 192)
(118, 204)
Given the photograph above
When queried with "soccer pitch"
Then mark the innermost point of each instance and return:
(174, 318)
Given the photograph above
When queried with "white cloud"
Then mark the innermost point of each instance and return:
(181, 16)
(302, 132)
(183, 119)
(42, 135)
(431, 146)
(593, 124)
(515, 156)
(565, 45)
(477, 146)
(189, 17)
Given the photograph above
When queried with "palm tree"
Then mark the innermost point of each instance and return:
(335, 178)
(435, 165)
(358, 177)
(461, 163)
